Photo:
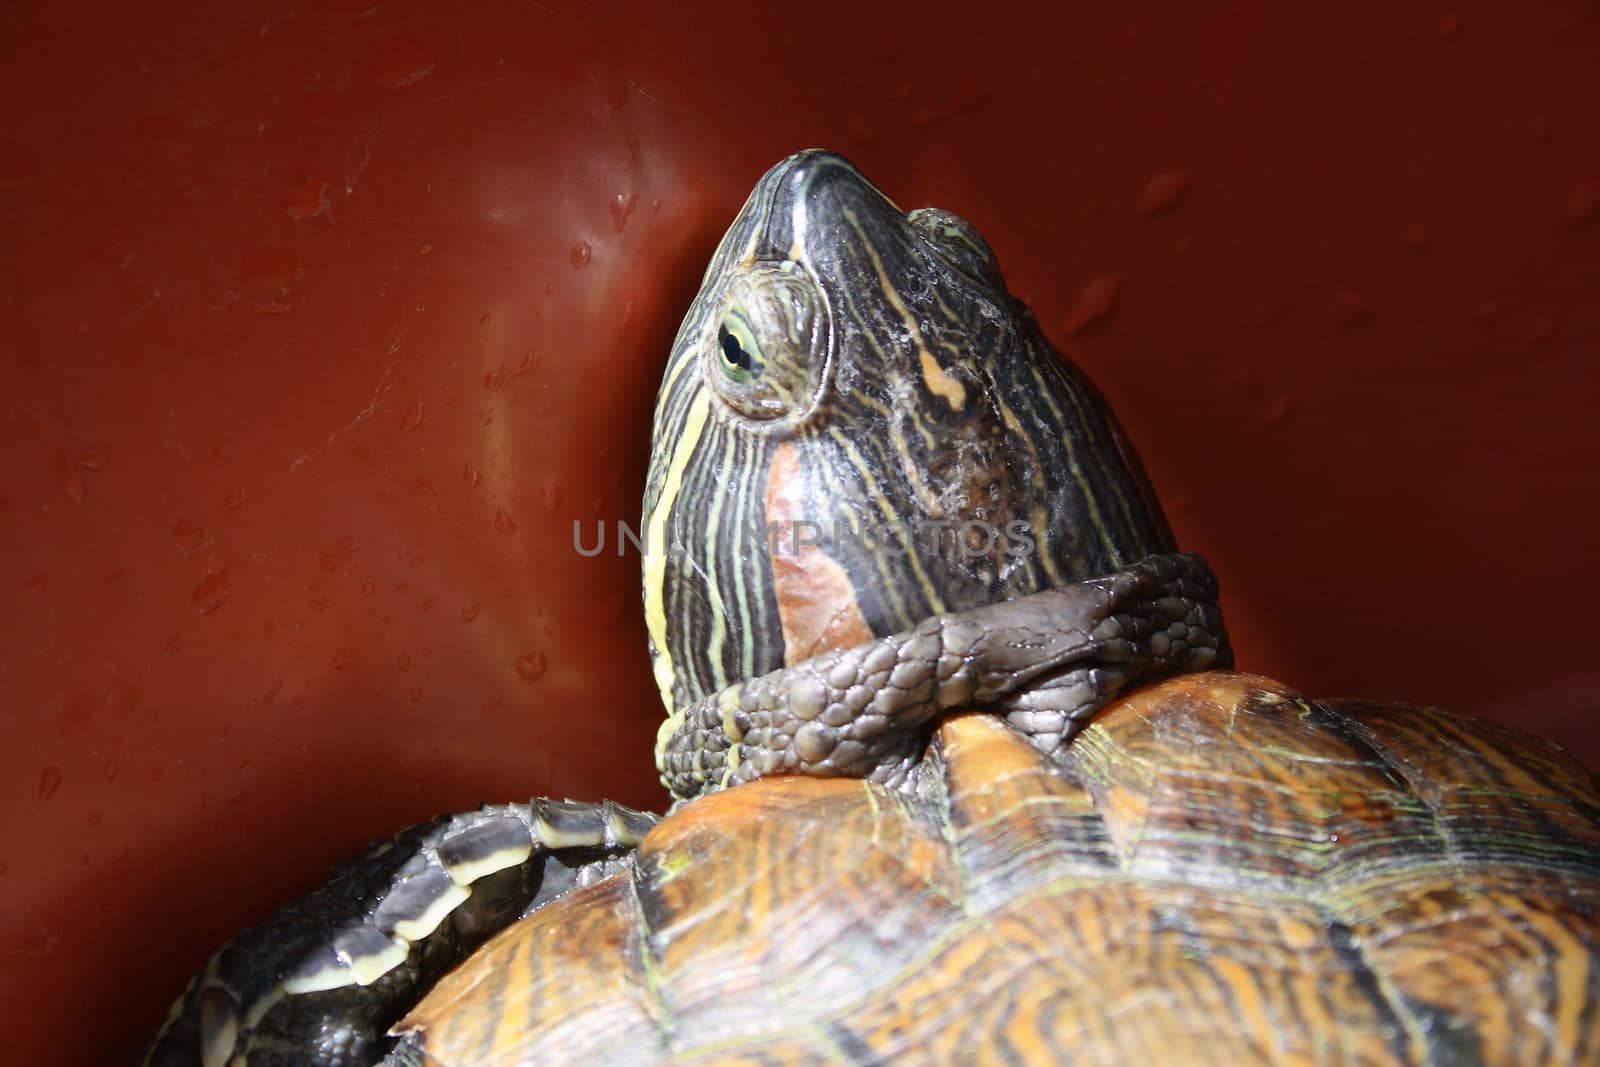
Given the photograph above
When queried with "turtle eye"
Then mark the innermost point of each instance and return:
(741, 357)
(770, 343)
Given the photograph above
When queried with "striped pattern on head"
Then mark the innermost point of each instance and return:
(859, 428)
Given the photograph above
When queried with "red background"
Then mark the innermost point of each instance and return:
(321, 324)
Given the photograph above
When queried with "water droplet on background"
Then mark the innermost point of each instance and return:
(1164, 192)
(470, 612)
(531, 668)
(1277, 412)
(503, 523)
(1097, 301)
(403, 662)
(335, 554)
(341, 659)
(49, 782)
(497, 379)
(67, 475)
(1583, 202)
(234, 500)
(210, 594)
(188, 536)
(621, 207)
(580, 255)
(403, 62)
(412, 417)
(1347, 308)
(76, 715)
(307, 200)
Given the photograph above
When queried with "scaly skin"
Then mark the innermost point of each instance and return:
(1047, 662)
(846, 357)
(321, 980)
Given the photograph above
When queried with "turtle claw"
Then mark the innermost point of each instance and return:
(1047, 661)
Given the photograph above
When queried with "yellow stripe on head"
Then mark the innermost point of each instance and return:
(656, 549)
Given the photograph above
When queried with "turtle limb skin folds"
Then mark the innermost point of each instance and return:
(1047, 661)
(319, 983)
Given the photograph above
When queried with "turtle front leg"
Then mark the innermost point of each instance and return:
(1047, 662)
(320, 982)
(1159, 617)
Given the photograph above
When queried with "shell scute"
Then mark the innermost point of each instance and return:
(1219, 868)
(1016, 821)
(802, 894)
(567, 982)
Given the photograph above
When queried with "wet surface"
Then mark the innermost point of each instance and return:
(322, 325)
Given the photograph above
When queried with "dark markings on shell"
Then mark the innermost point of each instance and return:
(1341, 889)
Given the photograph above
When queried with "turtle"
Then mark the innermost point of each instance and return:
(961, 768)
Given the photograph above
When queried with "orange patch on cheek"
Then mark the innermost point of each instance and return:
(816, 602)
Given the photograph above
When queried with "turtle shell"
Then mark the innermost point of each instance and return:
(1222, 871)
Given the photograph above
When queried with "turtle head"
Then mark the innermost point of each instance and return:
(859, 428)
